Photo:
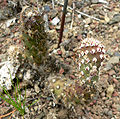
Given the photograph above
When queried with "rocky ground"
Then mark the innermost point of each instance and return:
(91, 18)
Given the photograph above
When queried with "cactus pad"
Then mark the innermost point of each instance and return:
(88, 57)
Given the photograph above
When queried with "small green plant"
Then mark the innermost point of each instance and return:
(17, 101)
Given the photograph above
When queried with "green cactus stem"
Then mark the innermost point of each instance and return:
(35, 40)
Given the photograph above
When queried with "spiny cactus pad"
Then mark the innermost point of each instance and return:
(35, 39)
(88, 57)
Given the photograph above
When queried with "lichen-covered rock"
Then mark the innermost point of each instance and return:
(7, 74)
(9, 68)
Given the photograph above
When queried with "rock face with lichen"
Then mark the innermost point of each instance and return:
(35, 39)
(88, 57)
(8, 69)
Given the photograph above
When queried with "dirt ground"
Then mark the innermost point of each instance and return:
(91, 18)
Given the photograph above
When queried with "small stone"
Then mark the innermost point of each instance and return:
(108, 66)
(88, 20)
(7, 30)
(59, 52)
(103, 94)
(94, 101)
(115, 80)
(116, 99)
(110, 113)
(54, 80)
(63, 51)
(91, 104)
(106, 110)
(107, 19)
(36, 108)
(27, 75)
(111, 72)
(103, 1)
(115, 94)
(113, 106)
(110, 90)
(117, 54)
(37, 89)
(118, 108)
(83, 117)
(94, 1)
(58, 87)
(68, 20)
(115, 19)
(46, 8)
(20, 75)
(55, 21)
(72, 76)
(95, 98)
(79, 37)
(28, 93)
(17, 34)
(107, 102)
(79, 16)
(40, 116)
(114, 60)
(104, 77)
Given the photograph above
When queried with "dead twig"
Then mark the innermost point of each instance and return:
(63, 21)
(7, 114)
(2, 104)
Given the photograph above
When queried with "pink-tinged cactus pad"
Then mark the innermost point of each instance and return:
(90, 53)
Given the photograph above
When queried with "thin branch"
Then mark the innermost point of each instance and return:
(7, 114)
(63, 21)
(2, 103)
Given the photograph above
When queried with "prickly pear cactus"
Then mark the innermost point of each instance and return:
(57, 85)
(88, 58)
(35, 39)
